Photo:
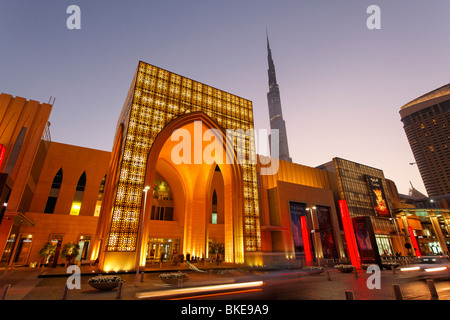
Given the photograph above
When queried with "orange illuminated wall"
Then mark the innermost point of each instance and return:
(22, 125)
(298, 183)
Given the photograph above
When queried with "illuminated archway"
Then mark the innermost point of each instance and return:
(196, 179)
(158, 102)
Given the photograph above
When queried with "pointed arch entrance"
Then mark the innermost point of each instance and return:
(196, 180)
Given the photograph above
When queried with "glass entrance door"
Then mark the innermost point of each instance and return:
(84, 243)
(23, 249)
(164, 248)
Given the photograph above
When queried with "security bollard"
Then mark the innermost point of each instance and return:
(432, 288)
(6, 288)
(65, 292)
(349, 295)
(397, 292)
(119, 290)
(142, 276)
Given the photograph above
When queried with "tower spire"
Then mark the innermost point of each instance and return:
(275, 113)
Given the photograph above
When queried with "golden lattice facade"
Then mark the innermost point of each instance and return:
(156, 98)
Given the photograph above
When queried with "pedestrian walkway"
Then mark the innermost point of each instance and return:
(32, 284)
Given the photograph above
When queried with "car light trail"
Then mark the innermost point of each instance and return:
(217, 294)
(410, 269)
(196, 290)
(435, 269)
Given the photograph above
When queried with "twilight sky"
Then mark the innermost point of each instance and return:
(341, 84)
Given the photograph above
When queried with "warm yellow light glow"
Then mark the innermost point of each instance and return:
(75, 209)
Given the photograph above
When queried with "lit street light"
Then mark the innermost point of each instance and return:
(141, 235)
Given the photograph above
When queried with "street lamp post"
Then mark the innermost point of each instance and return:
(141, 235)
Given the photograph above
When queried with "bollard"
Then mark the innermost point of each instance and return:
(6, 288)
(356, 273)
(180, 283)
(119, 290)
(397, 292)
(349, 295)
(65, 292)
(433, 291)
(142, 276)
(393, 269)
(328, 275)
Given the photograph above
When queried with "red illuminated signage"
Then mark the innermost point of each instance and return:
(349, 234)
(306, 242)
(2, 154)
(414, 242)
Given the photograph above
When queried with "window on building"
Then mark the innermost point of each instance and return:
(162, 213)
(100, 197)
(54, 191)
(214, 208)
(78, 198)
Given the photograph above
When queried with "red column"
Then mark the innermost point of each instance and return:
(306, 240)
(349, 234)
(414, 242)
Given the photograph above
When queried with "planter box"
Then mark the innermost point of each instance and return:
(104, 286)
(315, 272)
(345, 270)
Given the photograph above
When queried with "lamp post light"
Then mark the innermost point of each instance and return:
(141, 235)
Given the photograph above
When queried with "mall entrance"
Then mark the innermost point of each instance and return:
(164, 248)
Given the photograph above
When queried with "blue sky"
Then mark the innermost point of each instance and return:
(341, 84)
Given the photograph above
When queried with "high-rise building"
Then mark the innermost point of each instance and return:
(275, 113)
(426, 122)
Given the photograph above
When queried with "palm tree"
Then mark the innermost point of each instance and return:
(70, 252)
(47, 251)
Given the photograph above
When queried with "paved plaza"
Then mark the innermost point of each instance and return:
(35, 284)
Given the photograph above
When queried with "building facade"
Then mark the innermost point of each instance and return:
(23, 146)
(299, 217)
(96, 199)
(424, 225)
(183, 177)
(163, 108)
(426, 123)
(362, 191)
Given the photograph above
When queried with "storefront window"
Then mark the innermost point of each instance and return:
(384, 245)
(162, 247)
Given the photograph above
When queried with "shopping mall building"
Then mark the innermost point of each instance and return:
(182, 177)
